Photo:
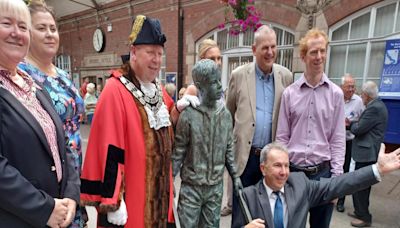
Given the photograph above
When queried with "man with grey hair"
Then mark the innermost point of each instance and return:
(369, 132)
(254, 97)
(353, 107)
(283, 199)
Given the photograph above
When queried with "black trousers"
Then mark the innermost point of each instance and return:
(361, 198)
(346, 166)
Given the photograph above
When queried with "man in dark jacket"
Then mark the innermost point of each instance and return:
(282, 199)
(369, 132)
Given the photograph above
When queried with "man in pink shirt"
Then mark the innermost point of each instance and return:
(311, 121)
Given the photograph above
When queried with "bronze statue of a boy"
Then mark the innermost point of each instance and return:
(203, 147)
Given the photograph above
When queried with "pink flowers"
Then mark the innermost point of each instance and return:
(246, 16)
(232, 2)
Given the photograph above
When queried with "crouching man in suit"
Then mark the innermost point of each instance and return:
(282, 200)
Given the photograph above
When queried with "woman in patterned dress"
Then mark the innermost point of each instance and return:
(57, 82)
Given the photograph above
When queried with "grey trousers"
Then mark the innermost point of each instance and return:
(200, 205)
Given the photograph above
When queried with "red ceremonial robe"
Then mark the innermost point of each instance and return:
(116, 138)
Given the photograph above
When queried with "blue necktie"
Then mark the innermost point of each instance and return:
(278, 212)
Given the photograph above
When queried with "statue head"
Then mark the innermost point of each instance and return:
(207, 78)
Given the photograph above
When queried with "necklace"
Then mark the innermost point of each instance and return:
(153, 103)
(151, 99)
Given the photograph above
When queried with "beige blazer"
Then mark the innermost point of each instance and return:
(241, 102)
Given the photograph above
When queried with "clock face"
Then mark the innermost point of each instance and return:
(98, 40)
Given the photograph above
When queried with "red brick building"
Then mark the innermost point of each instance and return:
(185, 23)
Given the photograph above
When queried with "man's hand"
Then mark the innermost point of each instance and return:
(388, 162)
(120, 216)
(256, 223)
(347, 121)
(187, 100)
(59, 213)
(70, 214)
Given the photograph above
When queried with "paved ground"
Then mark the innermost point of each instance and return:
(384, 202)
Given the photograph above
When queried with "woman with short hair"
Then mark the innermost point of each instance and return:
(39, 185)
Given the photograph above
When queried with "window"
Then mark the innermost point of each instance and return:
(64, 62)
(161, 75)
(236, 49)
(358, 42)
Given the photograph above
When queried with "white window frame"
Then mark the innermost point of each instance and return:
(365, 40)
(63, 62)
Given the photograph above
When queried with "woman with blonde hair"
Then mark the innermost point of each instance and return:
(39, 185)
(208, 49)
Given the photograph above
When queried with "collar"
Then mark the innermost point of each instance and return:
(270, 191)
(371, 101)
(351, 98)
(303, 82)
(261, 75)
(25, 76)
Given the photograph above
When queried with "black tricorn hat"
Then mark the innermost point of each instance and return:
(146, 30)
(125, 58)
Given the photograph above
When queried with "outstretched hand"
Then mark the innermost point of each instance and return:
(388, 162)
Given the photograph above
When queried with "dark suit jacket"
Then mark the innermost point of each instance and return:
(369, 131)
(28, 183)
(301, 194)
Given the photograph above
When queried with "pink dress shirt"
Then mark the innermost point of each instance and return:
(312, 124)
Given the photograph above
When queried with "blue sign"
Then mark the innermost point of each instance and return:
(390, 78)
(170, 77)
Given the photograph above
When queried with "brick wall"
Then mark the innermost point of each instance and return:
(200, 17)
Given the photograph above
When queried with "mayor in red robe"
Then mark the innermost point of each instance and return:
(128, 157)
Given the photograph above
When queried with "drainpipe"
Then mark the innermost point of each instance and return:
(180, 45)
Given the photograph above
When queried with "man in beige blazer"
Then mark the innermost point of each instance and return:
(254, 96)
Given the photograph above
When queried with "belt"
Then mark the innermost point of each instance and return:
(256, 151)
(310, 170)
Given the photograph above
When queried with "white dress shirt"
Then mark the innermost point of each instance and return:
(272, 199)
(352, 111)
